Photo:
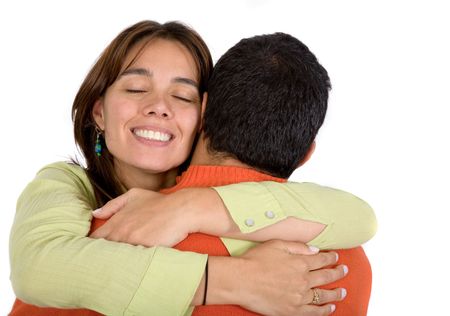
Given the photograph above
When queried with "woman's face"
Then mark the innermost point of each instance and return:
(150, 115)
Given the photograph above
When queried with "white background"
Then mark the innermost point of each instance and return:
(385, 137)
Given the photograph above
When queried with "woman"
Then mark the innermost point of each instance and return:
(146, 67)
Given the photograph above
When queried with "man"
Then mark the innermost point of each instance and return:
(270, 95)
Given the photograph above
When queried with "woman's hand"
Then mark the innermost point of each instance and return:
(142, 217)
(275, 278)
(148, 218)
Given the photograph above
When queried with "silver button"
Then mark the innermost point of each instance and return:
(269, 214)
(249, 222)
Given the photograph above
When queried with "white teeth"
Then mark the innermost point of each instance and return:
(147, 134)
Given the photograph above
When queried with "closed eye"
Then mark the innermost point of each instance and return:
(183, 99)
(135, 91)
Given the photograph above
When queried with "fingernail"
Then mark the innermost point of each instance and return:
(314, 249)
(343, 293)
(345, 269)
(337, 256)
(333, 308)
(97, 211)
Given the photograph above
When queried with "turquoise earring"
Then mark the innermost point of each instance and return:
(98, 144)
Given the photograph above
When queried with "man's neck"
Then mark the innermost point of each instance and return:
(208, 170)
(203, 157)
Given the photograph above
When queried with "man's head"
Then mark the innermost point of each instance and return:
(267, 99)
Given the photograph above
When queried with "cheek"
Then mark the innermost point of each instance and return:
(192, 120)
(190, 123)
(117, 114)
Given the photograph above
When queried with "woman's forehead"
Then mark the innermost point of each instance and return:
(161, 50)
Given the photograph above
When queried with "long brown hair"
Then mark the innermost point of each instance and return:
(100, 170)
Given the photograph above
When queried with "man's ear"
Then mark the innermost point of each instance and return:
(203, 107)
(97, 114)
(308, 154)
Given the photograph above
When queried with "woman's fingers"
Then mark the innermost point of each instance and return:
(325, 276)
(289, 280)
(321, 260)
(318, 296)
(112, 207)
(295, 248)
(311, 310)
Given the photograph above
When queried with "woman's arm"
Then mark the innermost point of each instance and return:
(53, 263)
(322, 216)
(258, 211)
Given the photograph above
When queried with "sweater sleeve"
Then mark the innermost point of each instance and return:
(53, 263)
(349, 220)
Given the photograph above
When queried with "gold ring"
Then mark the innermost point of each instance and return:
(316, 297)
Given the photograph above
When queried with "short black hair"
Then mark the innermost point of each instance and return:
(267, 99)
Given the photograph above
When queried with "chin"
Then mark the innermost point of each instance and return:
(158, 168)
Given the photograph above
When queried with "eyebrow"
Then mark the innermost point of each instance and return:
(185, 81)
(136, 71)
(147, 73)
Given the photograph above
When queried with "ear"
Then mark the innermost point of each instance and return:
(203, 107)
(97, 114)
(308, 154)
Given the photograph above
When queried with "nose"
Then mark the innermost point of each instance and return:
(158, 107)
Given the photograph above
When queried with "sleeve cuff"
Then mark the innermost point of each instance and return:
(171, 274)
(251, 205)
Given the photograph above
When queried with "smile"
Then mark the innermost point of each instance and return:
(152, 135)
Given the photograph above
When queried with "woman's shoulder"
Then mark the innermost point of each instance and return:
(64, 171)
(62, 176)
(62, 167)
(56, 182)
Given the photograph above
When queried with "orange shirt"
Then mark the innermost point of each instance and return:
(357, 282)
